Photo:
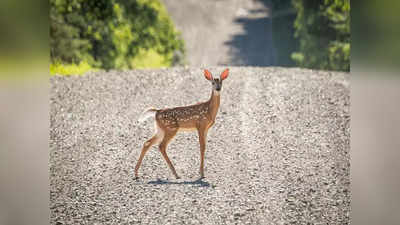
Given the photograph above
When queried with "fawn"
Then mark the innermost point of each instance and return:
(198, 117)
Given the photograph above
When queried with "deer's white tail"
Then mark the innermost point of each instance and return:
(147, 114)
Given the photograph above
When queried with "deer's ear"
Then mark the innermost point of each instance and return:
(224, 74)
(208, 75)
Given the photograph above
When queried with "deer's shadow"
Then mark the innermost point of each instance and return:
(198, 183)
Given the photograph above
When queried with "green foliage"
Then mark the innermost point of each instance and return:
(112, 34)
(323, 29)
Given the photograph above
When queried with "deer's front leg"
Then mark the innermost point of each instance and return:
(202, 139)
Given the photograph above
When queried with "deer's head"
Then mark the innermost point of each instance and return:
(216, 82)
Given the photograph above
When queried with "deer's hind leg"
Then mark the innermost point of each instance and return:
(163, 149)
(156, 139)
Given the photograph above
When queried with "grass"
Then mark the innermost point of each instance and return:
(70, 69)
(150, 59)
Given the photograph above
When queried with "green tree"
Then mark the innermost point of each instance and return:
(112, 33)
(323, 29)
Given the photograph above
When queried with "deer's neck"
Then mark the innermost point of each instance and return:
(214, 104)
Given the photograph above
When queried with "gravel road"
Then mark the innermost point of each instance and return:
(224, 32)
(277, 154)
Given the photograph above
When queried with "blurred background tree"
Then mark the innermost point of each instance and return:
(128, 34)
(322, 29)
(111, 34)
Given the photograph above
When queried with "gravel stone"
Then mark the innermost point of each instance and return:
(277, 154)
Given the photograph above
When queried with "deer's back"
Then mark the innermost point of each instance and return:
(185, 118)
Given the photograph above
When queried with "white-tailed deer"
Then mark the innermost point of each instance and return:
(198, 117)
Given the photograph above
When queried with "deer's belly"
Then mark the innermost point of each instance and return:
(186, 129)
(187, 126)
